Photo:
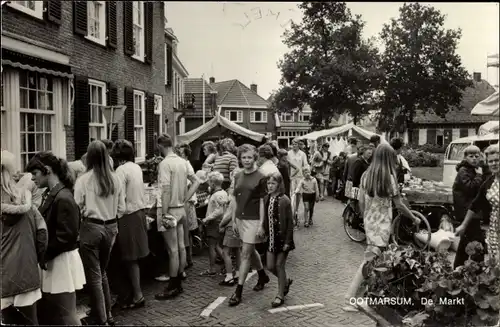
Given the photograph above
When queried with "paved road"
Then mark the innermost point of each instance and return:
(322, 267)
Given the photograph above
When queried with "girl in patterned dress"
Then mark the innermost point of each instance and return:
(378, 191)
(487, 201)
(278, 224)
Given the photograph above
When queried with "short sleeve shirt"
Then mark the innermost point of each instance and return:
(174, 172)
(248, 190)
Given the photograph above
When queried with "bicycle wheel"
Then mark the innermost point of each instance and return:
(354, 233)
(403, 230)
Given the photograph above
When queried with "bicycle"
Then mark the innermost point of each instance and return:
(200, 240)
(402, 228)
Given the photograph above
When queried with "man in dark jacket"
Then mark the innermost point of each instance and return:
(465, 188)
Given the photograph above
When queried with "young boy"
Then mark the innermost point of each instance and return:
(217, 205)
(308, 186)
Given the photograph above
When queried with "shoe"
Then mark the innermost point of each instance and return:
(230, 282)
(306, 225)
(111, 320)
(162, 278)
(134, 305)
(234, 300)
(184, 275)
(287, 287)
(169, 294)
(278, 302)
(261, 283)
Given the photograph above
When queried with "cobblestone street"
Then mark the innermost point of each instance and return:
(322, 267)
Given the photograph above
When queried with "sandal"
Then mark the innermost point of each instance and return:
(278, 302)
(208, 273)
(230, 282)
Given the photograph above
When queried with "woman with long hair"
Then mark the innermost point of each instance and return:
(64, 274)
(378, 191)
(248, 217)
(132, 239)
(24, 241)
(101, 198)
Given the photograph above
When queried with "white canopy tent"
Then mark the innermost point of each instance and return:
(313, 136)
(490, 127)
(487, 107)
(218, 120)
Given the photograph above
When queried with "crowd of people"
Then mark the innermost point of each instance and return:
(62, 220)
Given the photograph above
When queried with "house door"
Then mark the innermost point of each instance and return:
(440, 137)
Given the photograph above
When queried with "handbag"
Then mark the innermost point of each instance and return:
(168, 221)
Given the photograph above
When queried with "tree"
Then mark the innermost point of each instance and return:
(329, 65)
(422, 71)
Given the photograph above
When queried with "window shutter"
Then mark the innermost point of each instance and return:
(54, 11)
(128, 28)
(169, 65)
(111, 28)
(113, 101)
(227, 115)
(252, 116)
(82, 115)
(150, 125)
(264, 116)
(80, 17)
(148, 15)
(129, 115)
(240, 116)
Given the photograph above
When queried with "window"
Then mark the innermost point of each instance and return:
(96, 21)
(3, 121)
(158, 115)
(287, 117)
(33, 8)
(139, 128)
(258, 116)
(235, 115)
(138, 20)
(97, 122)
(37, 114)
(304, 118)
(166, 64)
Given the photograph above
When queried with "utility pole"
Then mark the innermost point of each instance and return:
(203, 98)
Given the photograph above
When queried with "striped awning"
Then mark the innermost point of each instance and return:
(36, 69)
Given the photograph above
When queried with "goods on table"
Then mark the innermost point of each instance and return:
(418, 190)
(150, 196)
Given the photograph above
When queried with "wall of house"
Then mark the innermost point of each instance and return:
(263, 128)
(442, 135)
(94, 61)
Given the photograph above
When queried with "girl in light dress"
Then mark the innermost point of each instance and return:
(378, 191)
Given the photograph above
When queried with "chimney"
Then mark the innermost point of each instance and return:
(253, 87)
(211, 80)
(477, 77)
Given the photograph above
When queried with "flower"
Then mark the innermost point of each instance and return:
(474, 248)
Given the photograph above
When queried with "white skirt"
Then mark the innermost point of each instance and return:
(64, 274)
(22, 300)
(247, 231)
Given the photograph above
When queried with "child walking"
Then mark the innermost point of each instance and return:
(278, 224)
(231, 244)
(308, 186)
(217, 205)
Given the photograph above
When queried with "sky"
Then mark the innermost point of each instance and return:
(217, 39)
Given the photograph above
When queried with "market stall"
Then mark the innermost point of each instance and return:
(487, 107)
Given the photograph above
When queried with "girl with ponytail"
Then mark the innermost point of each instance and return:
(63, 273)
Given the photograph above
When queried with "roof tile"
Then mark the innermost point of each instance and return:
(233, 92)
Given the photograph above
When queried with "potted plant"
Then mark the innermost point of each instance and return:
(430, 291)
(150, 169)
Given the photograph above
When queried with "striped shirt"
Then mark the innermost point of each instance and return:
(225, 164)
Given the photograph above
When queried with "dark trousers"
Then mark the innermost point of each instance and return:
(24, 316)
(58, 309)
(96, 242)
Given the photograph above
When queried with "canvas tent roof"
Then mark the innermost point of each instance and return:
(313, 136)
(487, 107)
(490, 127)
(214, 122)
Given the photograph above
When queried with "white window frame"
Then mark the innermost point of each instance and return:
(159, 111)
(142, 36)
(37, 13)
(104, 124)
(239, 115)
(165, 18)
(3, 119)
(301, 117)
(286, 117)
(263, 114)
(141, 156)
(166, 64)
(102, 23)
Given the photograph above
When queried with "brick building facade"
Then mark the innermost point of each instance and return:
(62, 60)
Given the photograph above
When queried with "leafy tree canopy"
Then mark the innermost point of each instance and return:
(422, 71)
(329, 65)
